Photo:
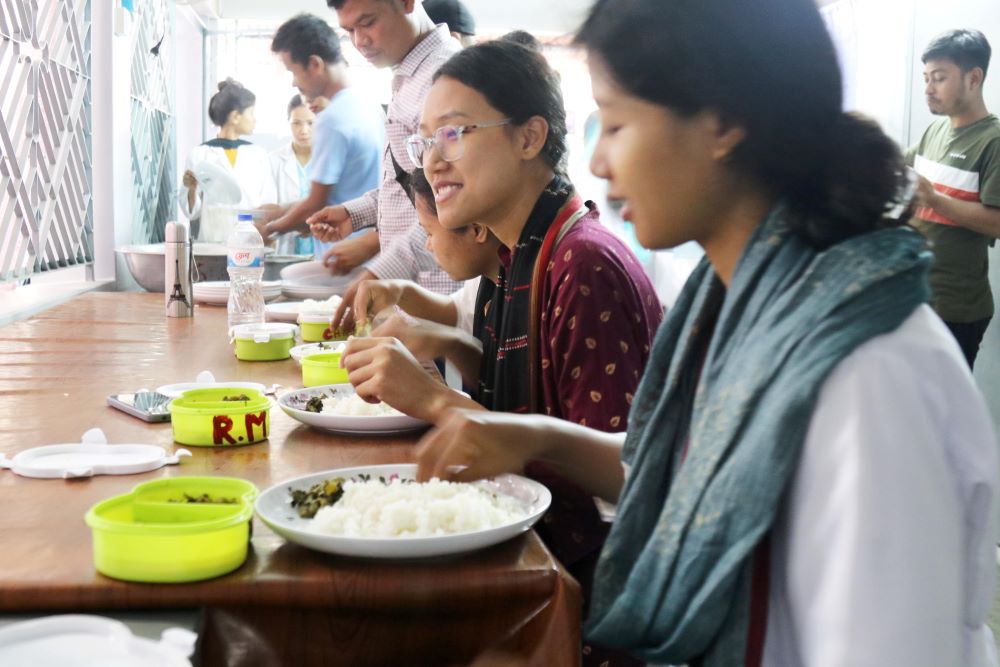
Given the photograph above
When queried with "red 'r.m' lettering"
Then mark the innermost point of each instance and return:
(221, 426)
(259, 419)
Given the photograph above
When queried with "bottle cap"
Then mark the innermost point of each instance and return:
(244, 217)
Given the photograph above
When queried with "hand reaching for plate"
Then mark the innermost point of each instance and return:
(347, 255)
(475, 444)
(332, 223)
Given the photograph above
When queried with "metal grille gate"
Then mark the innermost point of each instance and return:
(46, 219)
(154, 184)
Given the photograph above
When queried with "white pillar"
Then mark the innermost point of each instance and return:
(111, 127)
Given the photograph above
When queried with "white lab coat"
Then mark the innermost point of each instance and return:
(252, 172)
(883, 550)
(284, 166)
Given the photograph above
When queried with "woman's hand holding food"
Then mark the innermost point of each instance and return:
(343, 317)
(374, 296)
(382, 369)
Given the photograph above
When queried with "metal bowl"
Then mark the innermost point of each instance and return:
(145, 263)
(273, 264)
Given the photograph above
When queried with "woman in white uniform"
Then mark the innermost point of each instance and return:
(229, 162)
(810, 475)
(290, 164)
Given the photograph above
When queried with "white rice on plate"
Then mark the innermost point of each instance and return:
(355, 406)
(408, 509)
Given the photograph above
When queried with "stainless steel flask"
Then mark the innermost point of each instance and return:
(177, 267)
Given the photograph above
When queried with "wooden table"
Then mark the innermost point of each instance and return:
(511, 604)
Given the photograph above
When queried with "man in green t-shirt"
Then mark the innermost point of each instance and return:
(958, 193)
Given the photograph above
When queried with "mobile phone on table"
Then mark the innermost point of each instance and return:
(148, 406)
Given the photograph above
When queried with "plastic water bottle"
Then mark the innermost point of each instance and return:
(246, 269)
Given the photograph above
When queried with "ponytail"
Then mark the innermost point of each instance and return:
(862, 180)
(232, 96)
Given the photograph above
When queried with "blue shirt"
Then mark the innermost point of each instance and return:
(347, 148)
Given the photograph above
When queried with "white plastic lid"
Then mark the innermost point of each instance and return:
(263, 333)
(92, 456)
(90, 641)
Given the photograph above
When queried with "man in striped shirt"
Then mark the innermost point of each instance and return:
(396, 34)
(958, 195)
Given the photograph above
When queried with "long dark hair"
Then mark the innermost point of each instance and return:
(770, 67)
(518, 82)
(232, 96)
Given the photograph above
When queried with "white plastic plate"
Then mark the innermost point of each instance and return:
(293, 403)
(275, 509)
(90, 641)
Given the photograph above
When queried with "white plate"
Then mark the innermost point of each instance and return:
(88, 641)
(313, 280)
(300, 351)
(298, 291)
(269, 286)
(216, 292)
(178, 388)
(313, 273)
(285, 311)
(223, 299)
(288, 311)
(275, 509)
(293, 403)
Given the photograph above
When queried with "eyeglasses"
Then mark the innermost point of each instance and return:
(447, 139)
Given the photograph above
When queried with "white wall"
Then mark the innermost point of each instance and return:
(873, 39)
(189, 90)
(111, 130)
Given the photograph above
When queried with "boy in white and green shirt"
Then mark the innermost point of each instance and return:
(958, 196)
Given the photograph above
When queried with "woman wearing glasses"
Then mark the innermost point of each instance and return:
(567, 328)
(810, 476)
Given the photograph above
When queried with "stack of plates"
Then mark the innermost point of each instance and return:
(216, 292)
(313, 280)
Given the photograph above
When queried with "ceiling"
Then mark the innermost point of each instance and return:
(550, 16)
